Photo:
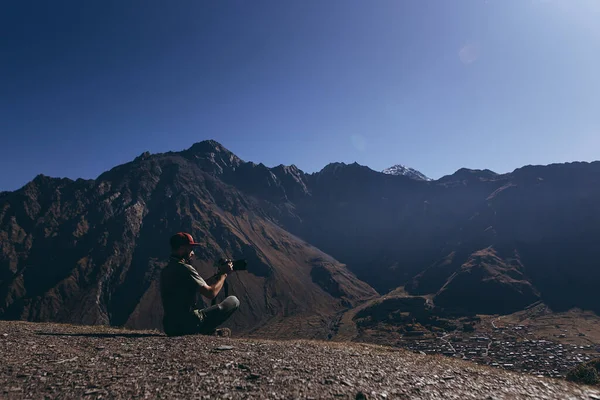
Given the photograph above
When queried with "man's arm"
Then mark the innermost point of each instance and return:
(213, 279)
(209, 290)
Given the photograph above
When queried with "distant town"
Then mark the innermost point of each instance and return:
(511, 347)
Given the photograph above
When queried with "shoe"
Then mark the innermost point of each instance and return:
(223, 332)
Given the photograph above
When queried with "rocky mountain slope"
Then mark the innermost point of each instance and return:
(91, 251)
(317, 244)
(61, 361)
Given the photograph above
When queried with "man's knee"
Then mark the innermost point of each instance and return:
(235, 302)
(230, 304)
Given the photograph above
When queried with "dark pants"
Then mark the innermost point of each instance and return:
(204, 321)
(213, 316)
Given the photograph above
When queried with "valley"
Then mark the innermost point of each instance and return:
(536, 341)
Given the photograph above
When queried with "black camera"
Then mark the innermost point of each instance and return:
(238, 265)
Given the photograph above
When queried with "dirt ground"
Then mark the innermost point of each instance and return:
(63, 361)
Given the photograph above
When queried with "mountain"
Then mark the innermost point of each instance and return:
(399, 169)
(89, 251)
(538, 225)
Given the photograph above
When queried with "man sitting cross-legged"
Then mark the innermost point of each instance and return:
(179, 285)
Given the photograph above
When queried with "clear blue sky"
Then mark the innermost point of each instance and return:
(436, 85)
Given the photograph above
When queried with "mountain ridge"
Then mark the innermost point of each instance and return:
(211, 145)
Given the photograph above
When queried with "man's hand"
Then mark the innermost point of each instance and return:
(226, 268)
(215, 282)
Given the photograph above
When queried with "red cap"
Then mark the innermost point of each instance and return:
(181, 239)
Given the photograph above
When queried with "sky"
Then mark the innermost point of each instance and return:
(432, 84)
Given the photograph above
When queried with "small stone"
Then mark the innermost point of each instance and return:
(67, 360)
(360, 396)
(223, 348)
(5, 334)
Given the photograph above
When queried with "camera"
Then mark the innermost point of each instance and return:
(238, 265)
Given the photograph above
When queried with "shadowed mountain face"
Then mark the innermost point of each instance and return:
(540, 226)
(91, 251)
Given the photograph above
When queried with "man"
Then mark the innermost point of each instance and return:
(179, 286)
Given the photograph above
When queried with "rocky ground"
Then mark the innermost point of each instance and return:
(63, 361)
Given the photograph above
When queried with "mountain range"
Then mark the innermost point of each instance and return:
(90, 251)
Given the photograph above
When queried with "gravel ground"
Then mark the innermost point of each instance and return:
(64, 361)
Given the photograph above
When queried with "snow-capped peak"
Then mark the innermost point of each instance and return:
(406, 171)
